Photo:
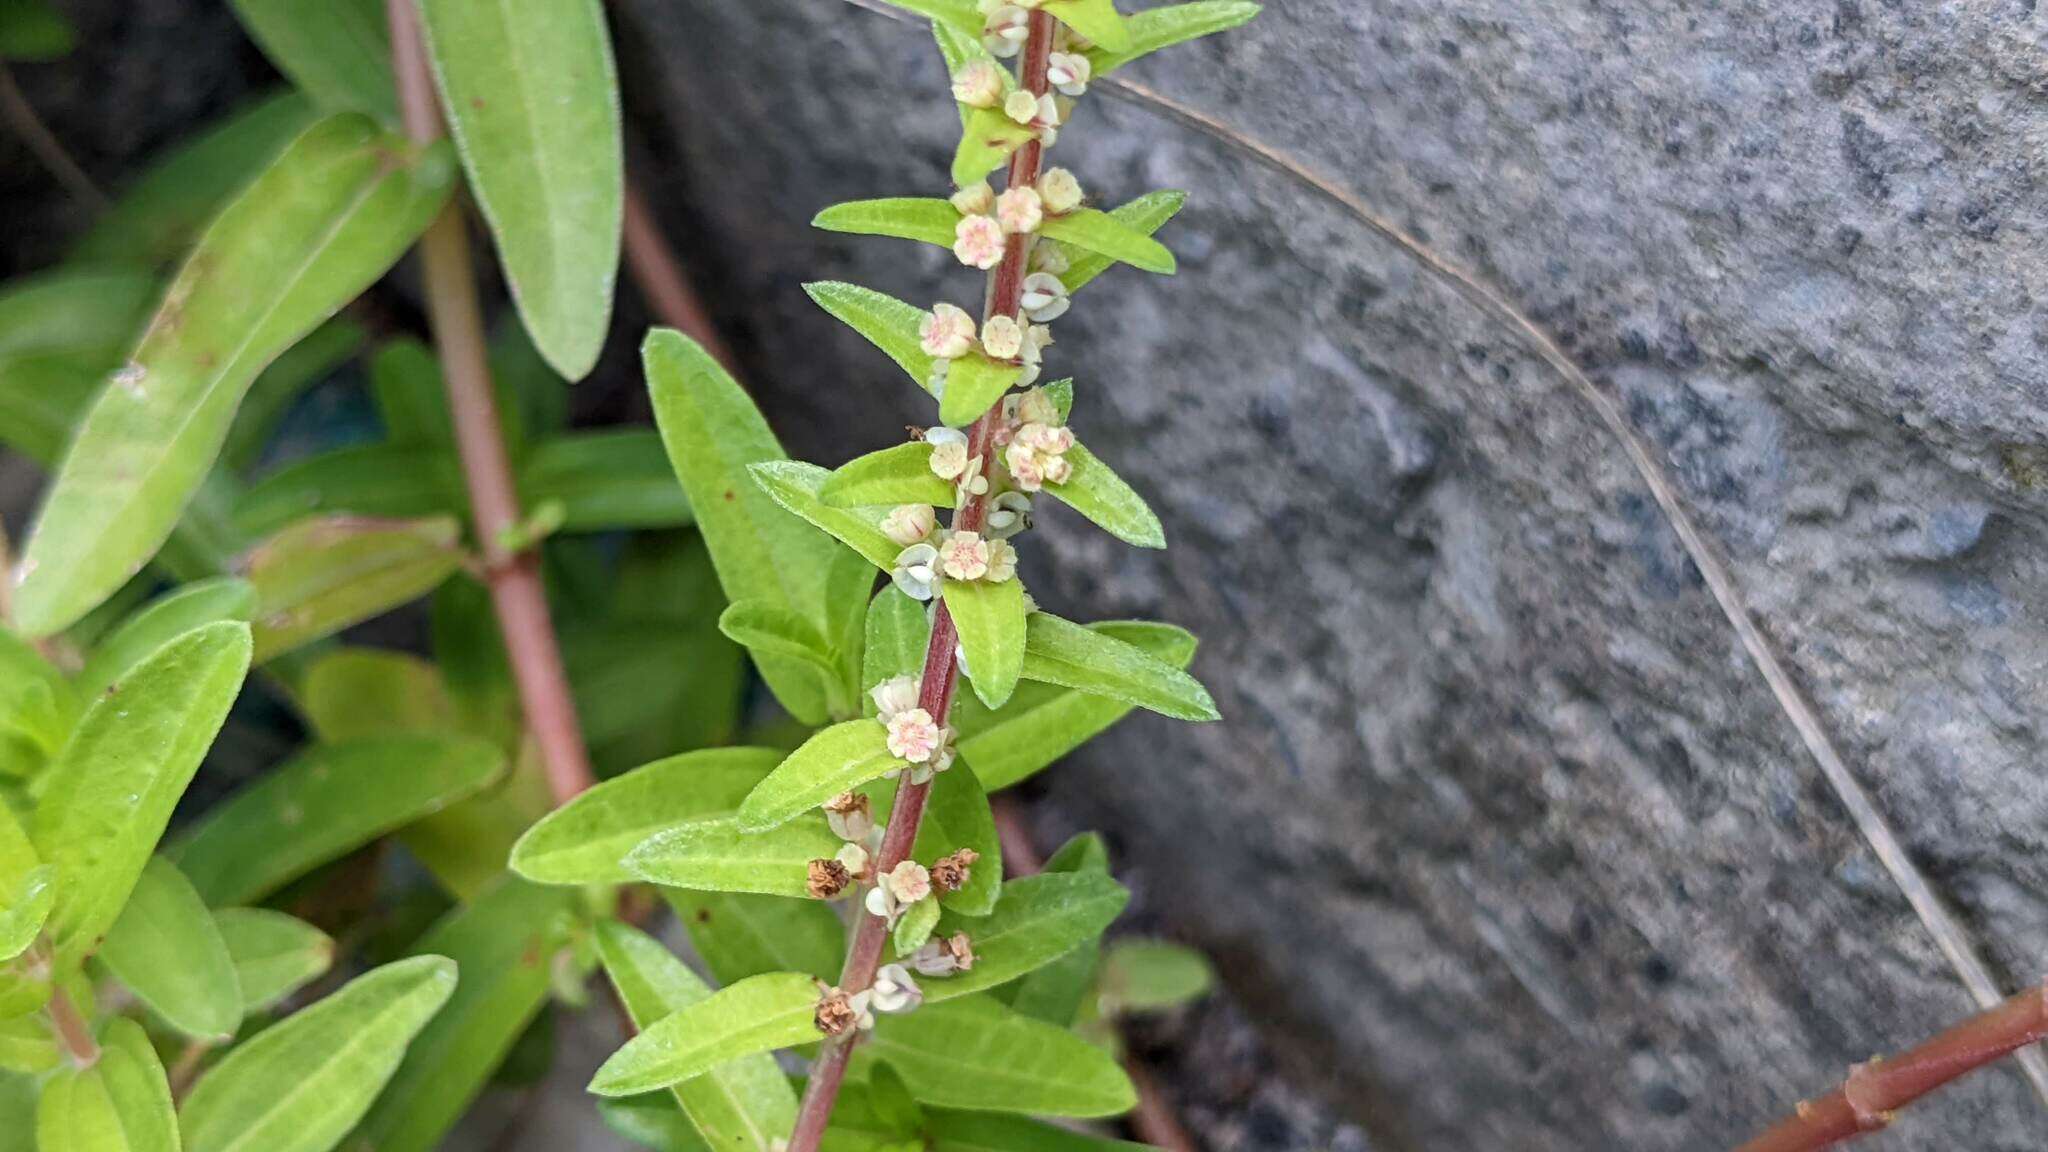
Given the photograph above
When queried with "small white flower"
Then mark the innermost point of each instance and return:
(895, 991)
(1048, 116)
(1020, 210)
(1002, 562)
(1045, 298)
(1067, 71)
(1060, 190)
(964, 556)
(977, 199)
(879, 902)
(916, 573)
(853, 858)
(980, 83)
(1009, 514)
(914, 735)
(949, 452)
(1007, 28)
(906, 524)
(1056, 468)
(978, 241)
(945, 332)
(1002, 338)
(1037, 407)
(1021, 106)
(973, 482)
(1047, 439)
(908, 882)
(1024, 467)
(893, 696)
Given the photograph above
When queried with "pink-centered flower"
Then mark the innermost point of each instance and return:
(945, 332)
(909, 882)
(1020, 210)
(978, 241)
(914, 735)
(964, 556)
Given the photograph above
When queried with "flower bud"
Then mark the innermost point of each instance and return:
(1045, 297)
(977, 199)
(980, 83)
(1004, 33)
(896, 694)
(916, 572)
(1060, 191)
(1002, 338)
(906, 524)
(1037, 407)
(1008, 514)
(1069, 72)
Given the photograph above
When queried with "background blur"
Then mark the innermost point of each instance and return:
(1504, 843)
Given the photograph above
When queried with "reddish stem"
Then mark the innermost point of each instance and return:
(1865, 1102)
(457, 321)
(72, 1031)
(941, 670)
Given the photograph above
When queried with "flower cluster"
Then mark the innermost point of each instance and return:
(988, 220)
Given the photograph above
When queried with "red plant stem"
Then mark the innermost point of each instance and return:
(652, 265)
(457, 321)
(941, 670)
(72, 1031)
(1865, 1102)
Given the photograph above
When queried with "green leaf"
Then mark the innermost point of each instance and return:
(904, 217)
(742, 1105)
(274, 954)
(794, 486)
(1062, 652)
(532, 97)
(840, 758)
(1146, 214)
(60, 334)
(1057, 992)
(898, 634)
(1101, 233)
(503, 945)
(586, 840)
(1038, 920)
(987, 137)
(120, 1104)
(994, 1132)
(1042, 723)
(160, 214)
(279, 386)
(957, 816)
(713, 433)
(109, 795)
(959, 46)
(738, 935)
(329, 216)
(1061, 393)
(27, 1045)
(651, 1122)
(1150, 975)
(722, 856)
(338, 51)
(758, 1014)
(350, 693)
(301, 1085)
(167, 950)
(884, 321)
(163, 620)
(325, 803)
(31, 30)
(25, 903)
(1102, 496)
(990, 618)
(770, 630)
(960, 14)
(976, 1054)
(899, 475)
(373, 480)
(915, 926)
(605, 481)
(973, 385)
(322, 575)
(1157, 28)
(1095, 20)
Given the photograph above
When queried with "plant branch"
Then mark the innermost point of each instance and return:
(652, 264)
(44, 143)
(74, 1035)
(941, 670)
(1866, 1100)
(457, 320)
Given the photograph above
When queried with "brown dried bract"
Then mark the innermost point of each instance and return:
(960, 948)
(953, 872)
(828, 878)
(835, 1016)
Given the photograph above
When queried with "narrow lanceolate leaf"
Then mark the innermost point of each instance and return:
(586, 840)
(120, 1104)
(161, 621)
(533, 100)
(995, 1132)
(325, 803)
(899, 475)
(301, 1085)
(371, 480)
(1095, 20)
(977, 1054)
(973, 385)
(156, 218)
(897, 636)
(1062, 652)
(771, 630)
(720, 856)
(1157, 28)
(1150, 975)
(962, 14)
(327, 218)
(882, 320)
(320, 576)
(651, 1122)
(1098, 493)
(1057, 992)
(605, 481)
(168, 951)
(1101, 233)
(1042, 722)
(109, 795)
(990, 617)
(503, 945)
(840, 758)
(1146, 214)
(274, 954)
(987, 137)
(794, 486)
(60, 334)
(743, 1105)
(1037, 920)
(904, 217)
(713, 433)
(758, 1014)
(338, 51)
(739, 935)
